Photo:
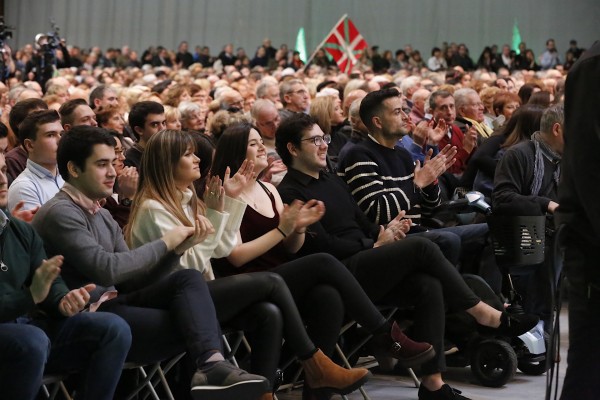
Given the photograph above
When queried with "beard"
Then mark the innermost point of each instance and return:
(399, 132)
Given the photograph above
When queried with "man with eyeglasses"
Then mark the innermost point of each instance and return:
(145, 119)
(392, 269)
(470, 112)
(294, 97)
(231, 100)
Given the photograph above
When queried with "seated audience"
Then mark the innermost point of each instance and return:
(166, 200)
(270, 231)
(41, 327)
(40, 134)
(16, 159)
(391, 268)
(167, 314)
(145, 119)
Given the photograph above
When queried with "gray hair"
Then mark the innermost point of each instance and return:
(187, 107)
(354, 109)
(461, 97)
(552, 115)
(286, 87)
(438, 94)
(259, 105)
(261, 89)
(408, 83)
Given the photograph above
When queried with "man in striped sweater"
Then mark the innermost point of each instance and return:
(384, 180)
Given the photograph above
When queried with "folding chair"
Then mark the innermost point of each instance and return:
(152, 375)
(388, 313)
(233, 344)
(55, 381)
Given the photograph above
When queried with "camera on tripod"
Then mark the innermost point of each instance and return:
(5, 31)
(48, 42)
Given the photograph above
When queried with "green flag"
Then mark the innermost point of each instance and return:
(516, 37)
(301, 44)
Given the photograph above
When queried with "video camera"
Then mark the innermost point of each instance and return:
(47, 42)
(5, 31)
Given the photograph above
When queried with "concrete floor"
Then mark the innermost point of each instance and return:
(388, 387)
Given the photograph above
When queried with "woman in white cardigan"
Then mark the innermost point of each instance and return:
(261, 302)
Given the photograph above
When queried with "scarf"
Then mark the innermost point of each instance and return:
(543, 150)
(482, 129)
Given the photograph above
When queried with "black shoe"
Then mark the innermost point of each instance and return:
(513, 325)
(444, 393)
(224, 381)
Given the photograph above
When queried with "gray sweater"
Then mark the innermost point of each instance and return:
(95, 250)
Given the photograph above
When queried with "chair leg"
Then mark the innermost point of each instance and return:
(163, 371)
(347, 365)
(146, 382)
(416, 380)
(166, 387)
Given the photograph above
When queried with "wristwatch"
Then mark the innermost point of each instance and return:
(126, 202)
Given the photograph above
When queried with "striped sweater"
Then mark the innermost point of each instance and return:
(381, 181)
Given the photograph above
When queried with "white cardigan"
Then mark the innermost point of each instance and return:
(153, 221)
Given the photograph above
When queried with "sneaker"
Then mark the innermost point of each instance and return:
(409, 353)
(449, 347)
(444, 393)
(513, 325)
(224, 381)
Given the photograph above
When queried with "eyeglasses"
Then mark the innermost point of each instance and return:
(318, 140)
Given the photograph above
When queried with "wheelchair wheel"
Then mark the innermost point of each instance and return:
(493, 362)
(529, 367)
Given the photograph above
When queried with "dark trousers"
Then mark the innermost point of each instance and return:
(173, 315)
(94, 344)
(324, 291)
(261, 304)
(583, 358)
(414, 271)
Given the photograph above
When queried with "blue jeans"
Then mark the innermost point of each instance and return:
(95, 344)
(451, 239)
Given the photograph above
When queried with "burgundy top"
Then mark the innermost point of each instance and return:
(254, 225)
(16, 161)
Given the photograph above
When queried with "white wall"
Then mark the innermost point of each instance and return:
(389, 23)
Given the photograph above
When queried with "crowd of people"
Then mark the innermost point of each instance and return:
(150, 201)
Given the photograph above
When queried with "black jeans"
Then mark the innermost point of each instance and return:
(173, 315)
(583, 358)
(414, 271)
(324, 290)
(261, 304)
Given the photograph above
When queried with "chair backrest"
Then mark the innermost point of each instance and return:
(518, 240)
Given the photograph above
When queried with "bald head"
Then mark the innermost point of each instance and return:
(28, 94)
(419, 98)
(350, 98)
(266, 117)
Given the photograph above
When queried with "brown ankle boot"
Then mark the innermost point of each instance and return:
(322, 373)
(266, 396)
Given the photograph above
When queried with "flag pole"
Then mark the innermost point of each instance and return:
(323, 42)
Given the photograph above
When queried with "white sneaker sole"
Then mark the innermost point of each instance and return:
(250, 390)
